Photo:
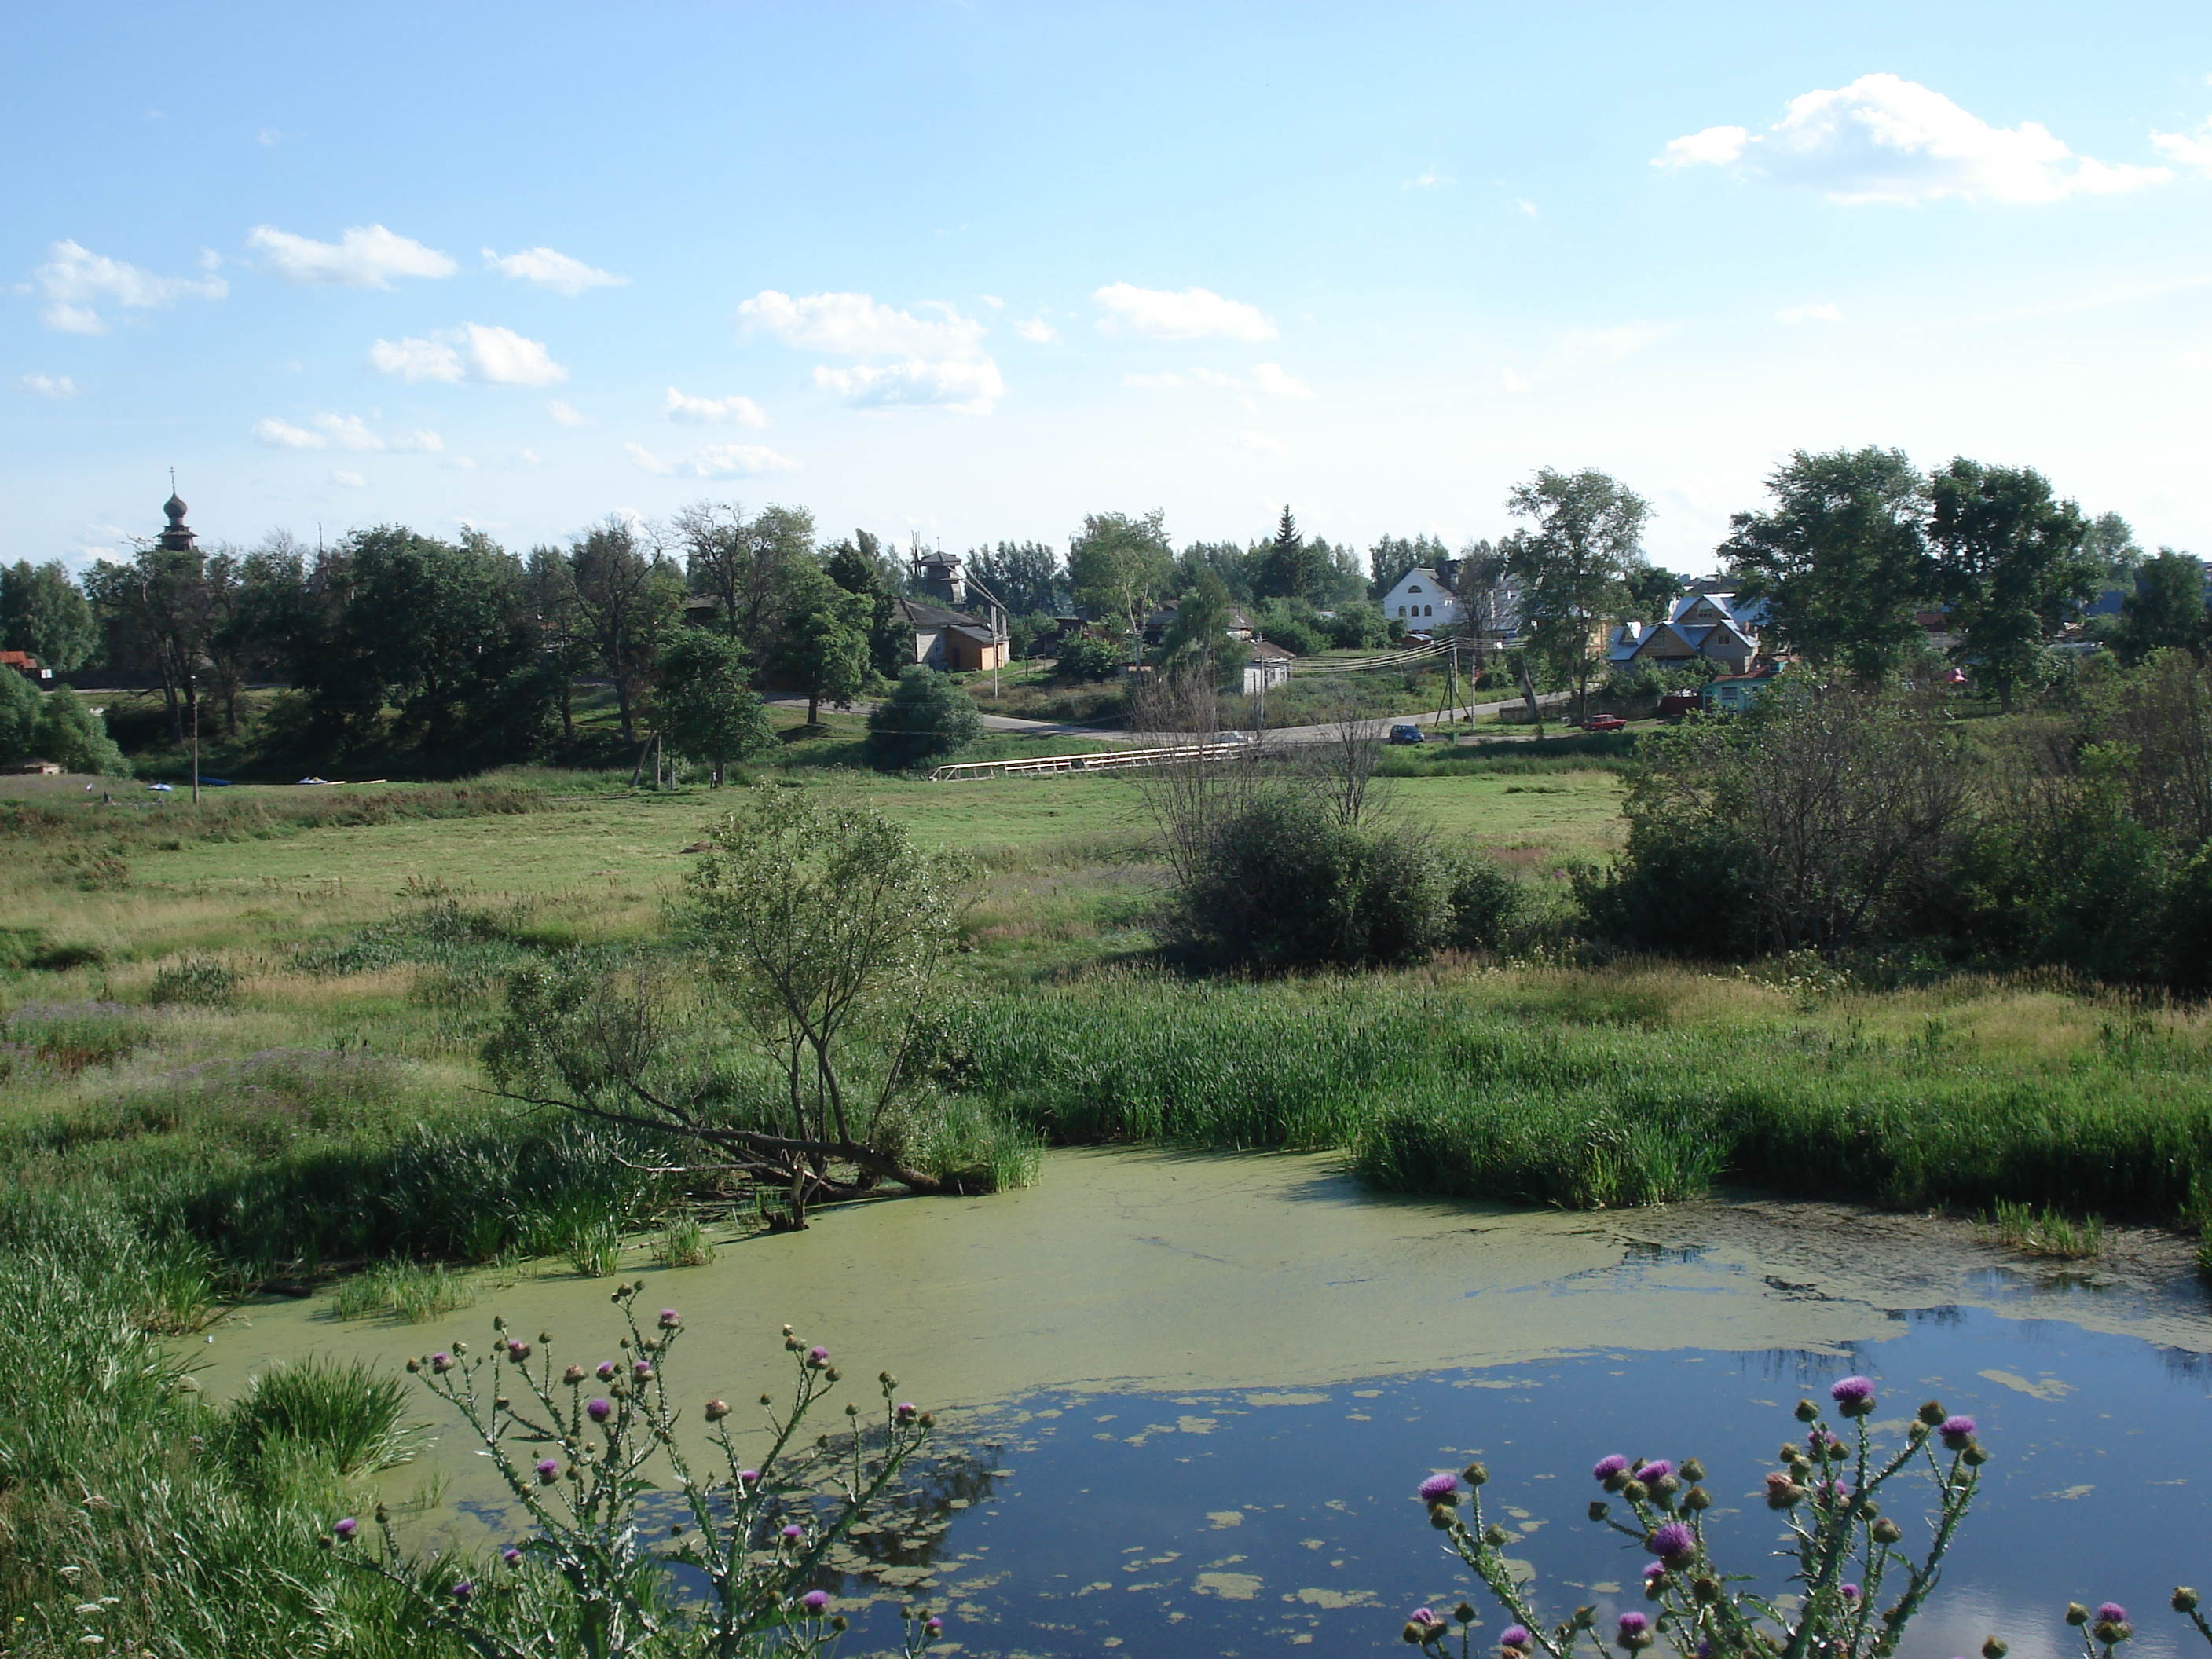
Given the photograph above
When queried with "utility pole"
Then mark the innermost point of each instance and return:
(196, 741)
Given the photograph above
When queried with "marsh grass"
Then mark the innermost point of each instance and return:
(201, 981)
(685, 1243)
(592, 1244)
(409, 1290)
(2044, 1232)
(346, 1414)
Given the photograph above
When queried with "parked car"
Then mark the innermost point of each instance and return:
(1230, 736)
(1604, 723)
(1407, 734)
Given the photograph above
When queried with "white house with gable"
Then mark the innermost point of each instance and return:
(1421, 601)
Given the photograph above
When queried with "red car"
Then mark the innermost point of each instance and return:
(1604, 723)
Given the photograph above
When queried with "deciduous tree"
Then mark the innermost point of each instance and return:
(42, 611)
(707, 708)
(1571, 565)
(1119, 565)
(2014, 566)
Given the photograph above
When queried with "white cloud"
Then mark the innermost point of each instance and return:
(2189, 150)
(49, 386)
(1260, 441)
(712, 411)
(1428, 181)
(332, 430)
(1192, 315)
(548, 269)
(527, 457)
(944, 366)
(715, 461)
(1886, 139)
(1036, 330)
(350, 480)
(969, 388)
(1525, 205)
(75, 279)
(1820, 313)
(565, 413)
(994, 302)
(495, 356)
(364, 255)
(1272, 380)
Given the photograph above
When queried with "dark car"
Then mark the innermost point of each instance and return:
(1407, 734)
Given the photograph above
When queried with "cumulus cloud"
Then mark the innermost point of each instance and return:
(48, 385)
(75, 281)
(1821, 312)
(1272, 378)
(714, 411)
(350, 480)
(565, 413)
(493, 356)
(364, 255)
(1192, 313)
(715, 461)
(1886, 139)
(332, 430)
(2189, 149)
(942, 364)
(1036, 330)
(548, 269)
(1428, 181)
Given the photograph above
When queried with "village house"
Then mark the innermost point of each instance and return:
(1236, 624)
(1265, 664)
(1708, 625)
(952, 640)
(1422, 600)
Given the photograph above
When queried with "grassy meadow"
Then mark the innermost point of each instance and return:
(239, 1049)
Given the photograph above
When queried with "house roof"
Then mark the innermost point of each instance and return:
(1430, 580)
(1268, 651)
(919, 615)
(17, 660)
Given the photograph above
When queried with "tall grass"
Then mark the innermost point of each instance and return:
(346, 1414)
(1584, 1090)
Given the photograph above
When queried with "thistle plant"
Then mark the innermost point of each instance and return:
(1846, 1555)
(576, 1446)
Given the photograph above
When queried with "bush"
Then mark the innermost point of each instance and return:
(1088, 658)
(926, 718)
(55, 726)
(1484, 901)
(1355, 625)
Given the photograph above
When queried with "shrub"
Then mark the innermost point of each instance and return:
(685, 1243)
(926, 718)
(1089, 657)
(200, 981)
(1483, 900)
(346, 1413)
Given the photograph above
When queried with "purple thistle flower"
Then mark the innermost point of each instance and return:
(1423, 1616)
(1852, 1391)
(1633, 1624)
(605, 1371)
(548, 1471)
(441, 1361)
(346, 1528)
(643, 1369)
(1850, 1592)
(1437, 1487)
(1516, 1635)
(669, 1321)
(819, 1356)
(599, 1410)
(749, 1478)
(794, 1533)
(463, 1590)
(934, 1625)
(518, 1352)
(2112, 1614)
(815, 1601)
(1654, 1571)
(1607, 1467)
(1958, 1432)
(1657, 1469)
(905, 1410)
(512, 1556)
(1673, 1543)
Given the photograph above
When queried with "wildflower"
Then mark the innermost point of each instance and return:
(599, 1410)
(463, 1590)
(1672, 1544)
(1635, 1632)
(548, 1471)
(442, 1362)
(906, 1411)
(604, 1370)
(1516, 1637)
(815, 1601)
(1658, 1469)
(1958, 1432)
(1424, 1628)
(748, 1479)
(794, 1533)
(1850, 1592)
(512, 1556)
(1782, 1491)
(934, 1625)
(1854, 1395)
(346, 1528)
(2185, 1599)
(642, 1370)
(518, 1352)
(2077, 1614)
(2112, 1614)
(1438, 1488)
(716, 1410)
(817, 1358)
(669, 1321)
(1610, 1468)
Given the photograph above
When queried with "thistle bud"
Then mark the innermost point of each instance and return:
(543, 1337)
(1464, 1614)
(1635, 1492)
(1993, 1649)
(2184, 1599)
(1887, 1532)
(1585, 1617)
(572, 1376)
(2077, 1614)
(1475, 1475)
(1974, 1457)
(1441, 1517)
(1697, 1499)
(1597, 1511)
(414, 1365)
(1494, 1535)
(1692, 1470)
(717, 1410)
(1932, 1414)
(460, 1348)
(1807, 1411)
(1705, 1589)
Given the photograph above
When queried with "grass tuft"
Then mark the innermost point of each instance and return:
(2045, 1233)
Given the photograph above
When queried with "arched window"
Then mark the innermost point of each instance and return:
(1415, 588)
(1401, 610)
(1428, 611)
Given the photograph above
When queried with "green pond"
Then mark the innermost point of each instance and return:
(1186, 1398)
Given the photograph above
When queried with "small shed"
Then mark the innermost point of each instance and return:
(37, 769)
(1265, 664)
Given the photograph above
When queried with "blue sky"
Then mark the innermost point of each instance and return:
(969, 271)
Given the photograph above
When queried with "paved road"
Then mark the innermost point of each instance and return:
(1281, 734)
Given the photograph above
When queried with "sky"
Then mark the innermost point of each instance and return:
(968, 273)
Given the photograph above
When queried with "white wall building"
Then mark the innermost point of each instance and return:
(1421, 601)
